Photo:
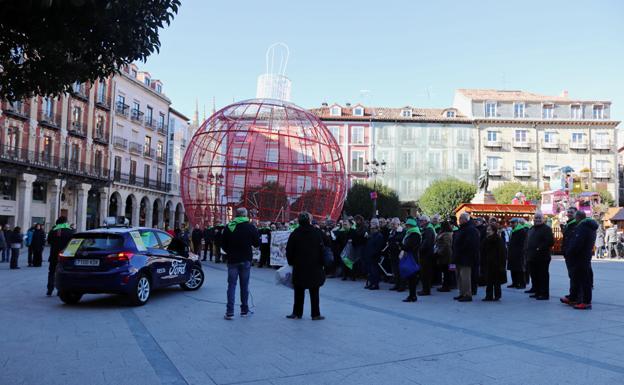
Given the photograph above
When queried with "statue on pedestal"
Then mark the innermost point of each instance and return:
(484, 179)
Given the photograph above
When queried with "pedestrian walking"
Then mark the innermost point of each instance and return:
(539, 244)
(579, 251)
(239, 237)
(6, 250)
(196, 239)
(411, 244)
(37, 244)
(611, 238)
(443, 250)
(3, 245)
(16, 243)
(600, 243)
(426, 258)
(465, 253)
(516, 262)
(265, 245)
(493, 253)
(58, 238)
(372, 254)
(304, 252)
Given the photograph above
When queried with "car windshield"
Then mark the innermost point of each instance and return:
(93, 242)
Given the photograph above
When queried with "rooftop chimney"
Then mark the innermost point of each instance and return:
(324, 104)
(564, 93)
(348, 104)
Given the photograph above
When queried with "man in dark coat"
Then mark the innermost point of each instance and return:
(517, 259)
(196, 238)
(305, 254)
(265, 246)
(465, 253)
(568, 234)
(539, 244)
(372, 254)
(58, 238)
(37, 244)
(478, 269)
(411, 244)
(493, 253)
(426, 258)
(579, 252)
(208, 239)
(239, 237)
(218, 240)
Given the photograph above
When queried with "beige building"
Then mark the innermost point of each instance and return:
(140, 190)
(522, 136)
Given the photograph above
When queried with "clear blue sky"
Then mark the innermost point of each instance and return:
(405, 52)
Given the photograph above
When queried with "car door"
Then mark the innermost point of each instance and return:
(158, 260)
(179, 267)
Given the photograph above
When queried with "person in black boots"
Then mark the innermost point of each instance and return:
(580, 251)
(265, 245)
(493, 252)
(516, 260)
(411, 244)
(568, 234)
(443, 250)
(16, 242)
(58, 238)
(426, 258)
(539, 244)
(37, 244)
(372, 254)
(304, 252)
(196, 237)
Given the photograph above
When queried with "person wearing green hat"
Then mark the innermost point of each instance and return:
(411, 244)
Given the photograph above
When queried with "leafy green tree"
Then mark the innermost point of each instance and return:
(47, 45)
(505, 192)
(443, 196)
(312, 201)
(606, 198)
(359, 200)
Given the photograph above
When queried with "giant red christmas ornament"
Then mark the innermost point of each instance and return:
(270, 156)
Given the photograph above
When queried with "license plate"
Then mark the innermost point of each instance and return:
(87, 262)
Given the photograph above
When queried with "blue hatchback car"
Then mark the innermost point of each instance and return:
(121, 260)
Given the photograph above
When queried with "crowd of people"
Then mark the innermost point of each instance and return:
(450, 255)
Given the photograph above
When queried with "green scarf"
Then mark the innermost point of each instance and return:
(294, 226)
(238, 220)
(437, 227)
(342, 228)
(432, 227)
(61, 226)
(571, 222)
(585, 220)
(455, 228)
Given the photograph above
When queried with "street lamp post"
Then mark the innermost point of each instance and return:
(373, 169)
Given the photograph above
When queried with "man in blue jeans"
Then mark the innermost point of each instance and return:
(239, 237)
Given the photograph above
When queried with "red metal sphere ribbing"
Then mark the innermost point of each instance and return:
(269, 156)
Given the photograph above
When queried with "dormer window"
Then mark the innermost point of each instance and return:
(450, 114)
(335, 111)
(159, 88)
(598, 111)
(518, 110)
(133, 73)
(548, 111)
(358, 111)
(576, 112)
(490, 109)
(406, 113)
(147, 81)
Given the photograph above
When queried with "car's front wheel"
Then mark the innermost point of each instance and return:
(195, 281)
(70, 297)
(142, 291)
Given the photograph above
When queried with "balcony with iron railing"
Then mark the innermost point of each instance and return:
(77, 129)
(162, 128)
(100, 136)
(136, 115)
(601, 145)
(522, 173)
(16, 110)
(136, 148)
(122, 109)
(103, 101)
(150, 123)
(50, 120)
(520, 144)
(493, 144)
(80, 91)
(149, 152)
(120, 143)
(133, 180)
(578, 145)
(45, 160)
(161, 157)
(552, 144)
(601, 174)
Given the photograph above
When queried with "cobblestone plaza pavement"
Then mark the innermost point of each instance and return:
(367, 338)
